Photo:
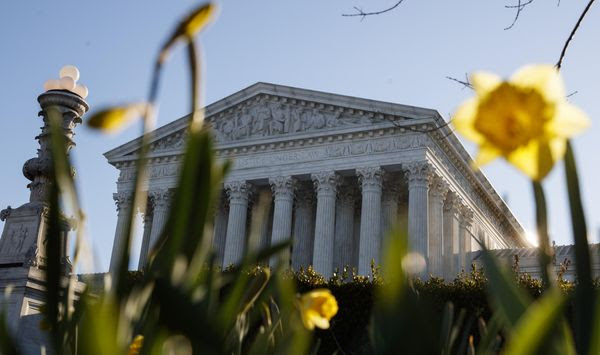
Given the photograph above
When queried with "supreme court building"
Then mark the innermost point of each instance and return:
(340, 171)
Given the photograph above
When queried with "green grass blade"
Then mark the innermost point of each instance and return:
(488, 340)
(544, 250)
(584, 294)
(535, 329)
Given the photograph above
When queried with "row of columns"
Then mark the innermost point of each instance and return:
(328, 234)
(324, 234)
(439, 222)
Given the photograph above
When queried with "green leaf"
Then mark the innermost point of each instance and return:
(544, 251)
(196, 20)
(511, 302)
(584, 293)
(595, 341)
(114, 119)
(534, 330)
(488, 340)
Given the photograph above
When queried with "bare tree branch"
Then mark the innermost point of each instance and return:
(568, 41)
(363, 14)
(519, 7)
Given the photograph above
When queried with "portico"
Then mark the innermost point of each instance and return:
(341, 172)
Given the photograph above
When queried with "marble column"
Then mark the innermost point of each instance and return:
(161, 199)
(238, 192)
(419, 178)
(124, 201)
(389, 203)
(356, 231)
(344, 227)
(325, 185)
(220, 228)
(437, 195)
(283, 194)
(370, 218)
(148, 213)
(304, 227)
(464, 238)
(451, 220)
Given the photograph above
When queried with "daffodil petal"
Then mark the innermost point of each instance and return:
(464, 120)
(542, 77)
(568, 121)
(536, 159)
(485, 155)
(558, 147)
(483, 82)
(320, 322)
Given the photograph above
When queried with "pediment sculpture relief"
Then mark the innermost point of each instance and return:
(276, 118)
(267, 119)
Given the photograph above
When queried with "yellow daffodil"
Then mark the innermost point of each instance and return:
(135, 347)
(526, 119)
(317, 307)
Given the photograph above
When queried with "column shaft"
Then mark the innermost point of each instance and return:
(370, 219)
(419, 176)
(304, 227)
(464, 238)
(220, 228)
(325, 184)
(389, 203)
(161, 200)
(344, 228)
(451, 218)
(283, 193)
(123, 200)
(238, 193)
(146, 236)
(437, 195)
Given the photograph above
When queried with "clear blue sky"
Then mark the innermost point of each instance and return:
(402, 56)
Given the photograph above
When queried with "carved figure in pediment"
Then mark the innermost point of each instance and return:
(226, 128)
(306, 120)
(244, 125)
(331, 119)
(260, 118)
(296, 119)
(278, 123)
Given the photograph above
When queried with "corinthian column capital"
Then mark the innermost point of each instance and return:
(238, 190)
(325, 182)
(160, 198)
(283, 187)
(370, 177)
(419, 172)
(466, 216)
(123, 199)
(453, 203)
(439, 188)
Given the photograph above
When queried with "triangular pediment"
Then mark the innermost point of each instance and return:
(264, 111)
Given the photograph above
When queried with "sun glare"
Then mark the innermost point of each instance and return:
(532, 238)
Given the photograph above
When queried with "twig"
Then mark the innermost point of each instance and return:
(363, 14)
(519, 6)
(466, 83)
(568, 41)
(571, 94)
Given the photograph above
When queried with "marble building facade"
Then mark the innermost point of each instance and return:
(340, 172)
